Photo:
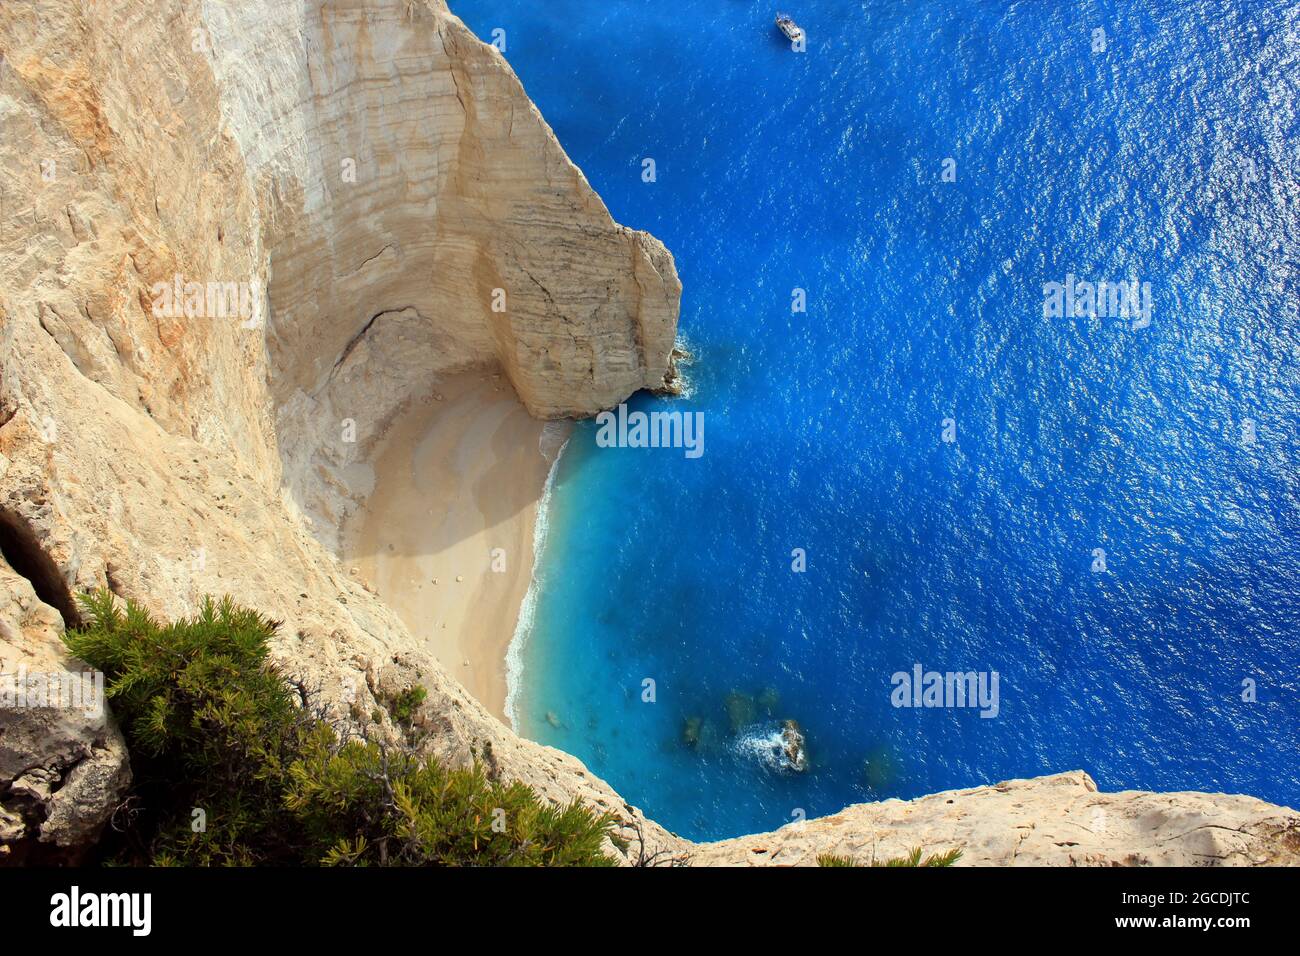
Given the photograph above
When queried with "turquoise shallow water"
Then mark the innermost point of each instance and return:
(1171, 157)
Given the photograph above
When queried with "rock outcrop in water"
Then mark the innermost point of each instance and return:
(793, 746)
(366, 200)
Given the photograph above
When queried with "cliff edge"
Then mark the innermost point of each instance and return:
(1059, 820)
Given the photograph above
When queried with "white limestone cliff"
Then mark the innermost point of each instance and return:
(168, 457)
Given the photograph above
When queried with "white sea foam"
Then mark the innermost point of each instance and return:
(554, 438)
(685, 383)
(764, 743)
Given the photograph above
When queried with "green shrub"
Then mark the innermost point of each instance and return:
(234, 764)
(361, 803)
(403, 706)
(912, 859)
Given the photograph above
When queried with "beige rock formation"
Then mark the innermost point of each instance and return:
(370, 173)
(418, 216)
(1061, 820)
(369, 180)
(63, 765)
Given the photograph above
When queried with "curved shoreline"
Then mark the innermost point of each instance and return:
(447, 535)
(528, 605)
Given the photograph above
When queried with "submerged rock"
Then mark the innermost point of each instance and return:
(740, 711)
(700, 734)
(879, 769)
(691, 732)
(710, 737)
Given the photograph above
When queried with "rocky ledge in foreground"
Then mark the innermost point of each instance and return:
(1061, 820)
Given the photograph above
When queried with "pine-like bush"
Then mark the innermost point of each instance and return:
(234, 766)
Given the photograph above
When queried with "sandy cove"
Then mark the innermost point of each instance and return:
(455, 480)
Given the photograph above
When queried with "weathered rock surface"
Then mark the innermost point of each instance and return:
(793, 746)
(1061, 820)
(167, 457)
(418, 217)
(373, 175)
(62, 769)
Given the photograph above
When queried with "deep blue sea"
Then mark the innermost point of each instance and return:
(1173, 157)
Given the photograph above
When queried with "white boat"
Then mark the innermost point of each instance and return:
(793, 32)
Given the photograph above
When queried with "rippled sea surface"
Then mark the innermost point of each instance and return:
(1170, 452)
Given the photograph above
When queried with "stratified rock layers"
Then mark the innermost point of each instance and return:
(419, 216)
(393, 208)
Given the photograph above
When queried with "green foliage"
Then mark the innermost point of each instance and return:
(400, 811)
(214, 727)
(912, 859)
(211, 727)
(404, 705)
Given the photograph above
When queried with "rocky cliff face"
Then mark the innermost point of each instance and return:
(62, 769)
(367, 200)
(370, 181)
(417, 215)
